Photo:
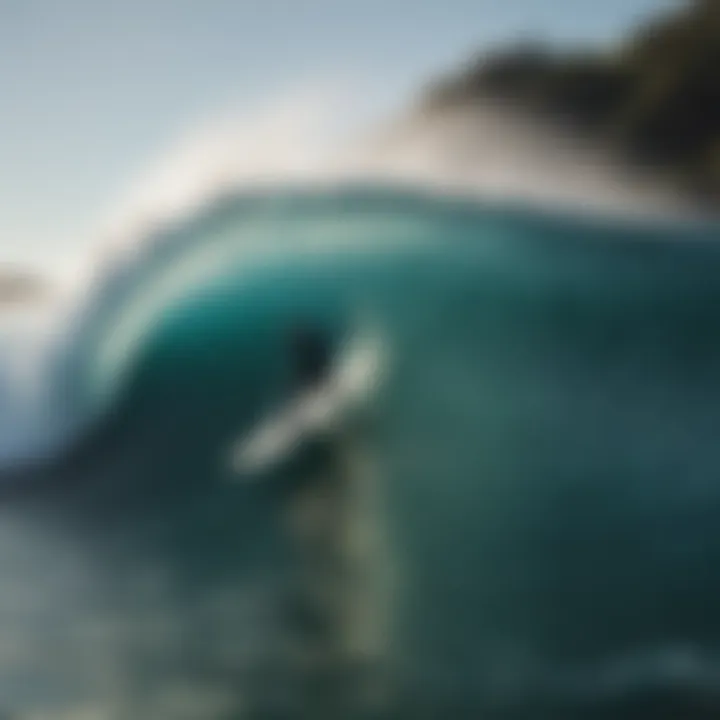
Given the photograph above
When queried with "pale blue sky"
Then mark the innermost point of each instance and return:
(90, 89)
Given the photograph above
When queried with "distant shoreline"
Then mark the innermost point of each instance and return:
(652, 101)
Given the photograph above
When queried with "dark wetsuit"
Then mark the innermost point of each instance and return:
(311, 356)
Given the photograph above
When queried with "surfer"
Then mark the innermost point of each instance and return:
(328, 595)
(332, 606)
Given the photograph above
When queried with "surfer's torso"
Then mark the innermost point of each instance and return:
(311, 357)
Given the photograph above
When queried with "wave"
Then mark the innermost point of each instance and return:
(249, 179)
(548, 422)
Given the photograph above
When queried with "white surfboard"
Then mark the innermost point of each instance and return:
(314, 413)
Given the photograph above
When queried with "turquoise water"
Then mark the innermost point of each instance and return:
(545, 442)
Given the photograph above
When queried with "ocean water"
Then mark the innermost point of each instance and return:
(543, 448)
